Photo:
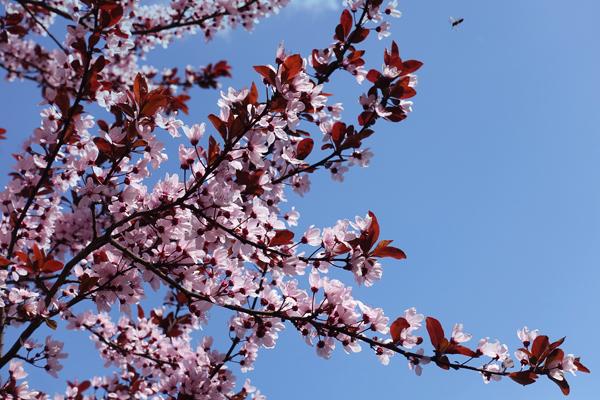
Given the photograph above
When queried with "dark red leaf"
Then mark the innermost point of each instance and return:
(252, 95)
(346, 22)
(87, 283)
(359, 35)
(304, 148)
(62, 102)
(383, 250)
(458, 349)
(338, 131)
(555, 355)
(395, 52)
(523, 377)
(562, 384)
(373, 231)
(443, 362)
(292, 66)
(219, 125)
(52, 266)
(556, 344)
(83, 386)
(436, 332)
(373, 75)
(140, 88)
(281, 237)
(103, 125)
(152, 105)
(38, 254)
(366, 117)
(539, 347)
(181, 298)
(397, 327)
(103, 145)
(13, 18)
(580, 366)
(17, 30)
(4, 262)
(410, 66)
(213, 150)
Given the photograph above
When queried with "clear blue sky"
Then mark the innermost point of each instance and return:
(491, 186)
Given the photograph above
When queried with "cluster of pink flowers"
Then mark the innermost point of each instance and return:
(81, 226)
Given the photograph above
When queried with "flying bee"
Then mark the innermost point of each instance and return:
(456, 21)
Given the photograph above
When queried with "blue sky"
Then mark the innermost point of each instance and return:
(490, 186)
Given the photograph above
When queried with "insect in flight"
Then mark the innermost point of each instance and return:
(456, 21)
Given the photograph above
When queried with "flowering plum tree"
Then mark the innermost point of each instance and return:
(82, 231)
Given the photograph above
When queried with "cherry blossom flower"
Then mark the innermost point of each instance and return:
(458, 335)
(526, 336)
(416, 363)
(495, 350)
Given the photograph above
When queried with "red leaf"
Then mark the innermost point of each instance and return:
(373, 75)
(213, 150)
(17, 30)
(580, 366)
(38, 255)
(103, 125)
(22, 257)
(556, 344)
(103, 145)
(383, 250)
(292, 66)
(555, 355)
(539, 347)
(83, 386)
(436, 332)
(458, 349)
(140, 88)
(410, 66)
(152, 105)
(562, 384)
(397, 327)
(373, 231)
(140, 312)
(395, 52)
(52, 266)
(110, 14)
(13, 18)
(443, 362)
(87, 283)
(304, 148)
(397, 114)
(4, 262)
(366, 117)
(523, 377)
(252, 95)
(182, 298)
(338, 132)
(407, 93)
(281, 237)
(219, 125)
(346, 22)
(360, 34)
